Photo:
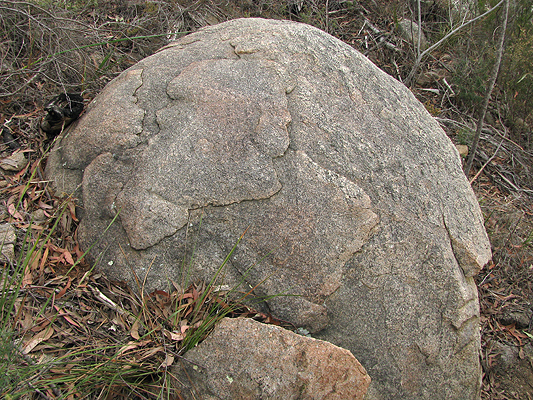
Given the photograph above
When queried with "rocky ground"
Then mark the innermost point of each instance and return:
(47, 51)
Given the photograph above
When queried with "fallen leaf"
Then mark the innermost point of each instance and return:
(14, 213)
(64, 290)
(72, 209)
(198, 324)
(160, 292)
(134, 332)
(168, 361)
(43, 335)
(128, 346)
(68, 257)
(27, 322)
(35, 260)
(17, 177)
(43, 260)
(184, 326)
(176, 336)
(44, 206)
(185, 296)
(515, 333)
(151, 352)
(66, 316)
(77, 250)
(28, 277)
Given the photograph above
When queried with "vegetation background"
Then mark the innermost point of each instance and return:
(54, 312)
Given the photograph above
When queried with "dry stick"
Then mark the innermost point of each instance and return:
(107, 301)
(506, 138)
(453, 32)
(494, 76)
(487, 163)
(515, 188)
(419, 33)
(327, 16)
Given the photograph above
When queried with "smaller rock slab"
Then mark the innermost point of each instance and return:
(244, 359)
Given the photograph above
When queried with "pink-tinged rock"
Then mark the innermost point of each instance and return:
(244, 359)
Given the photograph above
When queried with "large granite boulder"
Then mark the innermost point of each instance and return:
(350, 194)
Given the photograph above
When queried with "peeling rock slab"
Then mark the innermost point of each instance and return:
(244, 359)
(352, 197)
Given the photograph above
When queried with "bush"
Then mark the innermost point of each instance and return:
(514, 93)
(516, 80)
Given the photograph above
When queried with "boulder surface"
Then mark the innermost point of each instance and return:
(351, 196)
(271, 363)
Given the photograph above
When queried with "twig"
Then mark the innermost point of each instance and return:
(509, 140)
(516, 188)
(448, 86)
(487, 163)
(381, 37)
(419, 33)
(327, 16)
(107, 301)
(372, 27)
